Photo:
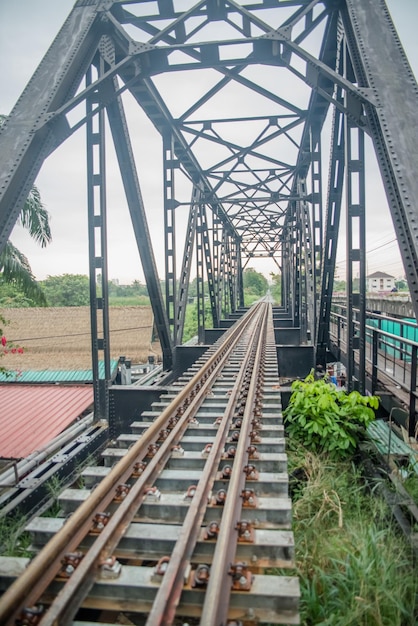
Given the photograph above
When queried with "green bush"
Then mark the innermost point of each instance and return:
(327, 419)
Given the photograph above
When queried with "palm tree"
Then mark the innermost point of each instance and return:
(14, 266)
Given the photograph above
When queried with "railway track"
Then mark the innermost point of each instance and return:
(188, 518)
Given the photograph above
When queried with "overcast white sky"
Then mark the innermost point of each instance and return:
(27, 28)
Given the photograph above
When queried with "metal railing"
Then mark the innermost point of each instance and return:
(391, 348)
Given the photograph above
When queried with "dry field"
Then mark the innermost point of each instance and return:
(58, 338)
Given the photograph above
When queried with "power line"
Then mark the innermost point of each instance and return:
(70, 336)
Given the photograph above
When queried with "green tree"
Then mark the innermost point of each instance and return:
(276, 287)
(11, 296)
(14, 266)
(67, 290)
(340, 286)
(254, 283)
(401, 284)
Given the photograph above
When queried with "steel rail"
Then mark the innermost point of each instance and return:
(30, 586)
(171, 587)
(216, 601)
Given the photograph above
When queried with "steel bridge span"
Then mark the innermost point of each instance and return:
(264, 110)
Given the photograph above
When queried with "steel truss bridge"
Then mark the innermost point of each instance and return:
(263, 108)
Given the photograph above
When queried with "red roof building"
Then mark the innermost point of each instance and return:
(32, 415)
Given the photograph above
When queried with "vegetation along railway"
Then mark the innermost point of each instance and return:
(189, 519)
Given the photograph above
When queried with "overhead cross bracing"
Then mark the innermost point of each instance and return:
(241, 93)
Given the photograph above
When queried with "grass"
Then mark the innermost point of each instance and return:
(129, 301)
(14, 542)
(354, 567)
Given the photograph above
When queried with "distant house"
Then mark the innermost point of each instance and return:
(379, 281)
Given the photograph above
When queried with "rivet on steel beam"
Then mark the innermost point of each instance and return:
(217, 422)
(211, 531)
(193, 422)
(234, 436)
(152, 493)
(121, 492)
(241, 576)
(138, 469)
(100, 520)
(69, 564)
(206, 450)
(245, 531)
(226, 472)
(191, 490)
(110, 568)
(237, 423)
(30, 615)
(220, 497)
(253, 452)
(248, 498)
(200, 577)
(256, 424)
(251, 472)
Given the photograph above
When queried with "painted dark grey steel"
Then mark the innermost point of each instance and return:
(26, 137)
(380, 98)
(137, 211)
(378, 57)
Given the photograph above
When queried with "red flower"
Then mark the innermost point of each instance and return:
(20, 350)
(3, 341)
(13, 350)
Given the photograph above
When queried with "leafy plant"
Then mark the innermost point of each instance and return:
(327, 419)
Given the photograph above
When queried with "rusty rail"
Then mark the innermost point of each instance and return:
(27, 590)
(168, 595)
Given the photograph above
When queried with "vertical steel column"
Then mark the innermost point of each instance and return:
(186, 266)
(208, 264)
(317, 219)
(169, 164)
(97, 234)
(296, 279)
(356, 255)
(234, 273)
(240, 277)
(129, 175)
(217, 275)
(224, 274)
(307, 267)
(285, 291)
(200, 279)
(333, 214)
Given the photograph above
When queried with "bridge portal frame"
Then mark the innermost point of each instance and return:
(372, 95)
